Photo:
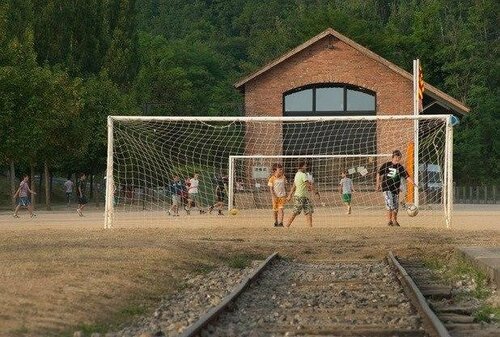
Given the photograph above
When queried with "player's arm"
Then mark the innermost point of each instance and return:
(377, 185)
(271, 189)
(17, 192)
(312, 188)
(408, 178)
(292, 190)
(29, 190)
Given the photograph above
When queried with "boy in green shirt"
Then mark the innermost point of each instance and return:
(300, 190)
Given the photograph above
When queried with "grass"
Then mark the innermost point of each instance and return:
(488, 313)
(457, 269)
(240, 261)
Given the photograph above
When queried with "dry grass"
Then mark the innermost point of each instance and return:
(55, 278)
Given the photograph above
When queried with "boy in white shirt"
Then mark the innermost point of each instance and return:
(277, 187)
(193, 190)
(346, 189)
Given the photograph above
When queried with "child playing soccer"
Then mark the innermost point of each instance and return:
(346, 189)
(300, 190)
(389, 181)
(277, 188)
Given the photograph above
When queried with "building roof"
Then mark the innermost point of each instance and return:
(442, 98)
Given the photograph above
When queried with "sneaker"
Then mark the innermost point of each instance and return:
(349, 210)
(280, 224)
(15, 215)
(33, 215)
(275, 224)
(220, 213)
(390, 223)
(202, 211)
(188, 212)
(168, 212)
(396, 224)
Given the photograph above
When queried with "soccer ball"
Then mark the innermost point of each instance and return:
(412, 210)
(233, 211)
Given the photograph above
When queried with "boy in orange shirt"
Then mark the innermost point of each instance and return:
(277, 187)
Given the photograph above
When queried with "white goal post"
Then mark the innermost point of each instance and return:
(144, 153)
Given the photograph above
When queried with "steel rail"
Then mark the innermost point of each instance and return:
(204, 320)
(415, 295)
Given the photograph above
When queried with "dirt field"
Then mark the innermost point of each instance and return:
(59, 272)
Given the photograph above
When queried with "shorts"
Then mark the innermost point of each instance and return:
(346, 197)
(82, 200)
(24, 201)
(220, 196)
(176, 200)
(391, 200)
(193, 197)
(302, 204)
(279, 203)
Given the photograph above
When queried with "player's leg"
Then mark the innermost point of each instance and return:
(17, 209)
(395, 197)
(281, 211)
(297, 208)
(275, 211)
(388, 205)
(308, 211)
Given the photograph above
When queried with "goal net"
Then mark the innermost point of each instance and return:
(193, 170)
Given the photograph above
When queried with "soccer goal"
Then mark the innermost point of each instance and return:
(175, 170)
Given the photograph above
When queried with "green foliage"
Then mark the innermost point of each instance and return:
(239, 261)
(68, 65)
(488, 314)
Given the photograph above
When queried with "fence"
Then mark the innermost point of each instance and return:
(475, 195)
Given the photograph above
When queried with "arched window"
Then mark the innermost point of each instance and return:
(329, 100)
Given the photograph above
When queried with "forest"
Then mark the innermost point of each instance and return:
(66, 65)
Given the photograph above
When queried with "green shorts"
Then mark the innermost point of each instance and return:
(302, 204)
(346, 197)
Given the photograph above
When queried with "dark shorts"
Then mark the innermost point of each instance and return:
(24, 201)
(220, 196)
(82, 200)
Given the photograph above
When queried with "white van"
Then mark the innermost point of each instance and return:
(431, 181)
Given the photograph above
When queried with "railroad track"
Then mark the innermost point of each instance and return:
(329, 298)
(456, 316)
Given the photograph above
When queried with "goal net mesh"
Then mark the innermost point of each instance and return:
(155, 160)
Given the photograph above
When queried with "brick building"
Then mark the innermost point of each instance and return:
(331, 75)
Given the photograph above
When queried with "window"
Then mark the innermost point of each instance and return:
(299, 101)
(329, 100)
(360, 101)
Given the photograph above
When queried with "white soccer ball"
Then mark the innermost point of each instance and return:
(412, 210)
(233, 211)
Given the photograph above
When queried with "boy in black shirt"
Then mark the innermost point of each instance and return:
(389, 180)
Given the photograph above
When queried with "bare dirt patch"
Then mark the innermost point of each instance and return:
(60, 272)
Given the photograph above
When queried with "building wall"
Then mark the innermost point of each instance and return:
(331, 61)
